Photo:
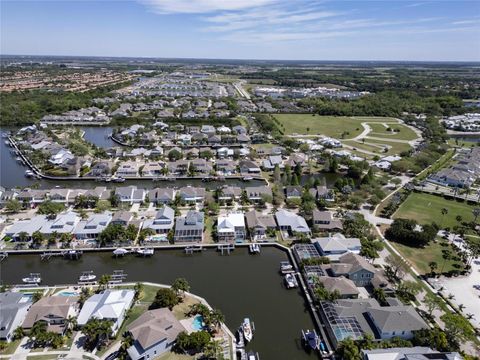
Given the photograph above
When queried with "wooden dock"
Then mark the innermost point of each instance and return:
(117, 277)
(68, 254)
(226, 249)
(192, 249)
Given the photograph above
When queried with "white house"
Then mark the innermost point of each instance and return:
(111, 305)
(231, 227)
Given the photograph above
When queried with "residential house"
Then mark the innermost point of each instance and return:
(163, 221)
(191, 194)
(249, 167)
(292, 223)
(130, 194)
(13, 311)
(229, 193)
(259, 225)
(90, 228)
(179, 167)
(153, 334)
(336, 245)
(226, 167)
(109, 305)
(100, 169)
(355, 318)
(64, 223)
(189, 228)
(123, 218)
(293, 192)
(161, 195)
(355, 268)
(322, 192)
(53, 310)
(324, 220)
(231, 228)
(409, 353)
(153, 169)
(22, 230)
(127, 169)
(258, 193)
(59, 195)
(345, 287)
(201, 166)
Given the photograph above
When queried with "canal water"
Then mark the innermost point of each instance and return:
(12, 173)
(240, 285)
(99, 136)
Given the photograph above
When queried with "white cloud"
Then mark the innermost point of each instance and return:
(201, 6)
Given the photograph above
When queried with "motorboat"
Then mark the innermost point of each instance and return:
(247, 329)
(252, 356)
(286, 267)
(254, 248)
(145, 251)
(247, 178)
(311, 339)
(33, 278)
(87, 276)
(291, 281)
(29, 173)
(118, 179)
(120, 252)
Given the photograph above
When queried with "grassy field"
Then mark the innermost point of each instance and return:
(405, 133)
(334, 126)
(10, 348)
(426, 208)
(421, 257)
(394, 147)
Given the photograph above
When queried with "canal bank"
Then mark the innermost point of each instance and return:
(240, 285)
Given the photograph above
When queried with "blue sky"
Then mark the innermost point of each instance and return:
(245, 29)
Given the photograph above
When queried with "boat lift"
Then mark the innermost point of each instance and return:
(225, 249)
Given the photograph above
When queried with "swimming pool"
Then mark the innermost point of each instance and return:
(197, 323)
(68, 293)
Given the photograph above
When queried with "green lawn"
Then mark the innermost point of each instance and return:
(395, 147)
(11, 347)
(421, 257)
(405, 133)
(334, 126)
(426, 208)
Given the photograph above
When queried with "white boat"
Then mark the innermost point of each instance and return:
(87, 276)
(145, 252)
(33, 278)
(252, 356)
(291, 281)
(247, 329)
(247, 178)
(29, 173)
(311, 339)
(118, 179)
(120, 252)
(286, 267)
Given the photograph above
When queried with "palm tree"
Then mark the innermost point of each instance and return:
(461, 307)
(180, 286)
(469, 316)
(433, 266)
(444, 212)
(216, 318)
(103, 282)
(212, 350)
(450, 296)
(70, 324)
(138, 290)
(476, 212)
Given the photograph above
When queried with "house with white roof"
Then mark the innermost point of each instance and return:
(336, 245)
(64, 223)
(231, 227)
(110, 305)
(291, 222)
(90, 228)
(26, 228)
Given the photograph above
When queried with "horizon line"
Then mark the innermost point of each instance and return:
(238, 59)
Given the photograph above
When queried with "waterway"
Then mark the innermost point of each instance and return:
(99, 136)
(12, 173)
(239, 285)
